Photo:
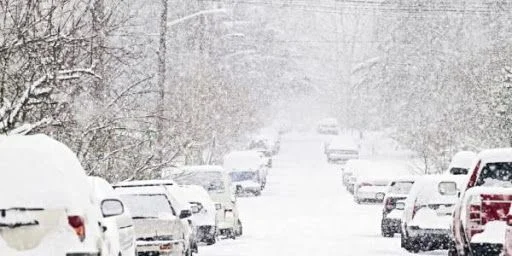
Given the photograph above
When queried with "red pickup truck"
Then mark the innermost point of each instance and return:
(479, 220)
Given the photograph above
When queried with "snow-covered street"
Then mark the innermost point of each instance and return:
(306, 211)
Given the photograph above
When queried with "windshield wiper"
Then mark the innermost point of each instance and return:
(19, 224)
(143, 217)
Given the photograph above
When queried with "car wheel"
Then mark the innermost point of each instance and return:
(257, 193)
(387, 233)
(211, 241)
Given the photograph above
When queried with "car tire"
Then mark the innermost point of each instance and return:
(240, 231)
(211, 241)
(386, 232)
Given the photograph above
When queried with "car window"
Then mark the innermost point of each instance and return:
(243, 176)
(400, 187)
(496, 175)
(147, 205)
(459, 171)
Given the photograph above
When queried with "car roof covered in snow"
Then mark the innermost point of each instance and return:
(242, 159)
(102, 189)
(142, 183)
(134, 190)
(38, 171)
(202, 168)
(426, 187)
(496, 155)
(463, 159)
(341, 142)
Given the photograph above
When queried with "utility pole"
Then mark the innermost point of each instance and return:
(162, 70)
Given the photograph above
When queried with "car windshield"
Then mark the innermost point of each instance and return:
(401, 187)
(242, 176)
(496, 175)
(212, 181)
(147, 205)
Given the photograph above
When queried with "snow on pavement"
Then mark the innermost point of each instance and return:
(306, 211)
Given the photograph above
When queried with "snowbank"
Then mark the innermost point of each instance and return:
(494, 232)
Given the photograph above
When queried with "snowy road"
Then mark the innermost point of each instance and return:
(306, 211)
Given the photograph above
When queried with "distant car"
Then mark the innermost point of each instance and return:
(46, 206)
(248, 171)
(461, 163)
(349, 170)
(120, 232)
(370, 188)
(479, 220)
(428, 212)
(328, 126)
(397, 191)
(204, 213)
(217, 182)
(158, 226)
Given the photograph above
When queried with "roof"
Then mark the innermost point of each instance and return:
(141, 183)
(463, 159)
(36, 169)
(141, 190)
(496, 155)
(202, 168)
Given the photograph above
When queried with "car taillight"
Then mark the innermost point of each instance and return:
(77, 223)
(389, 204)
(166, 247)
(474, 224)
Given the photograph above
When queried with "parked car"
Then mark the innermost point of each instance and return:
(427, 215)
(158, 225)
(348, 171)
(341, 150)
(247, 171)
(217, 182)
(461, 163)
(397, 192)
(328, 126)
(120, 232)
(370, 188)
(179, 205)
(479, 220)
(46, 207)
(204, 213)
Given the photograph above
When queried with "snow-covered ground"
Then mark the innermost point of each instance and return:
(306, 211)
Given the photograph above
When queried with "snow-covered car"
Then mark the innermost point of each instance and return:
(349, 170)
(158, 225)
(370, 188)
(479, 220)
(268, 140)
(203, 213)
(46, 206)
(180, 205)
(328, 126)
(461, 163)
(247, 170)
(120, 232)
(217, 182)
(428, 212)
(341, 150)
(397, 192)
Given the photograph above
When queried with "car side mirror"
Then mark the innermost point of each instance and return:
(111, 207)
(195, 209)
(185, 214)
(400, 206)
(459, 194)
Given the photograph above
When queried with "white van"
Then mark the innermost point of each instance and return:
(247, 170)
(46, 207)
(428, 212)
(120, 233)
(218, 184)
